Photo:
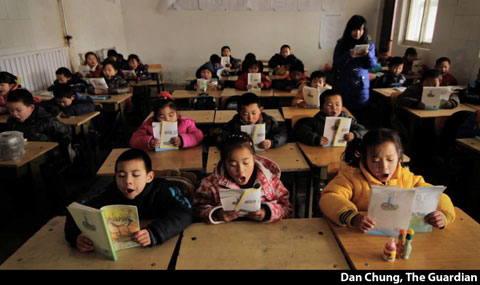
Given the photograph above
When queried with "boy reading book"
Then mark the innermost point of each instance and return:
(156, 199)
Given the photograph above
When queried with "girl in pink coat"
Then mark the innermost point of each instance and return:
(188, 134)
(240, 168)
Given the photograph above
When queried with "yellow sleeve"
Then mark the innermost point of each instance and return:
(445, 206)
(335, 200)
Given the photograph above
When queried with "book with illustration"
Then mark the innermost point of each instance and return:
(99, 83)
(257, 132)
(242, 200)
(165, 131)
(335, 130)
(129, 74)
(435, 97)
(312, 96)
(360, 50)
(254, 79)
(110, 228)
(225, 60)
(393, 208)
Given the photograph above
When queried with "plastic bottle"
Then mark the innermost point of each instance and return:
(408, 244)
(401, 242)
(390, 250)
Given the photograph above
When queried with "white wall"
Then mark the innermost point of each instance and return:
(183, 40)
(456, 36)
(29, 25)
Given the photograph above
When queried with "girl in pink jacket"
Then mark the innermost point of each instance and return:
(240, 168)
(188, 134)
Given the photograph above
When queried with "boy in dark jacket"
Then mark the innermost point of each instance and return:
(156, 199)
(250, 112)
(234, 62)
(67, 103)
(279, 62)
(293, 79)
(310, 130)
(115, 81)
(141, 70)
(394, 76)
(65, 76)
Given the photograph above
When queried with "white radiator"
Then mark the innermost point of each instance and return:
(36, 69)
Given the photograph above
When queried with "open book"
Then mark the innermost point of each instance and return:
(255, 79)
(435, 97)
(165, 131)
(98, 82)
(225, 60)
(84, 70)
(242, 200)
(257, 132)
(110, 228)
(394, 209)
(335, 129)
(312, 96)
(207, 84)
(417, 66)
(129, 74)
(359, 50)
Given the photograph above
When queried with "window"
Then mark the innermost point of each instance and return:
(421, 21)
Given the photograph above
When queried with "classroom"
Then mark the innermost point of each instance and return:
(331, 135)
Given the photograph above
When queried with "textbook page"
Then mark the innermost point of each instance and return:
(359, 50)
(254, 79)
(98, 82)
(122, 222)
(225, 60)
(92, 224)
(202, 84)
(257, 132)
(312, 96)
(390, 208)
(426, 201)
(435, 97)
(165, 131)
(129, 74)
(335, 129)
(84, 70)
(242, 200)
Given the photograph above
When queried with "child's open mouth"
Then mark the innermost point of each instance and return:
(242, 179)
(385, 175)
(129, 191)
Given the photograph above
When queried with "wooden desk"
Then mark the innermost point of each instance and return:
(199, 116)
(187, 159)
(453, 248)
(470, 143)
(48, 249)
(285, 244)
(386, 92)
(288, 157)
(3, 118)
(224, 116)
(35, 155)
(475, 107)
(284, 94)
(229, 78)
(290, 112)
(227, 92)
(190, 94)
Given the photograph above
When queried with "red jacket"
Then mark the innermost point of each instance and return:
(242, 81)
(187, 130)
(448, 80)
(274, 194)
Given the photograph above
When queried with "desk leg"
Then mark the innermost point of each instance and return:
(90, 152)
(43, 204)
(123, 119)
(411, 134)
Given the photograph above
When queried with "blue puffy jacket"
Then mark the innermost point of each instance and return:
(352, 78)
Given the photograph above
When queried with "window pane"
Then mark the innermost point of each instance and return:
(430, 21)
(415, 20)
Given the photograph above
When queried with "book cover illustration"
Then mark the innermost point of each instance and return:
(225, 60)
(359, 50)
(254, 79)
(426, 201)
(123, 222)
(435, 98)
(257, 132)
(242, 200)
(99, 83)
(335, 130)
(165, 131)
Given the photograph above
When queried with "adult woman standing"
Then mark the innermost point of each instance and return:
(351, 73)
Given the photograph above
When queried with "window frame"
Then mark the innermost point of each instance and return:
(423, 28)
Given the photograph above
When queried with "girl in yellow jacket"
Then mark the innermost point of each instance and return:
(376, 160)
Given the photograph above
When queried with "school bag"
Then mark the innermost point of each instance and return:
(204, 102)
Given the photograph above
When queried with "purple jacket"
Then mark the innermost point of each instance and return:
(187, 130)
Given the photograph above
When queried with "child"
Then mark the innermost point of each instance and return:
(408, 58)
(206, 72)
(384, 56)
(188, 134)
(141, 70)
(214, 64)
(36, 124)
(412, 96)
(156, 199)
(250, 112)
(121, 63)
(316, 80)
(277, 61)
(96, 69)
(293, 80)
(8, 82)
(115, 81)
(311, 131)
(443, 65)
(65, 76)
(240, 168)
(394, 77)
(67, 103)
(252, 67)
(249, 57)
(379, 163)
(234, 63)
